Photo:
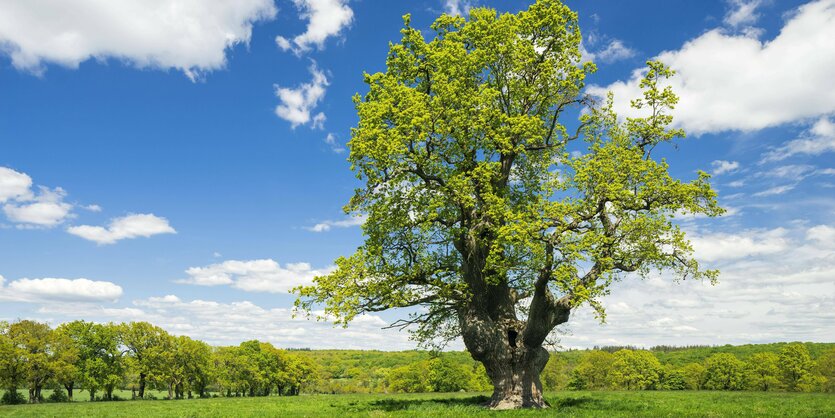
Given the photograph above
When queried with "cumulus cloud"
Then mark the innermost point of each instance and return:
(264, 275)
(348, 222)
(127, 227)
(821, 234)
(45, 209)
(724, 246)
(326, 18)
(722, 167)
(614, 50)
(52, 289)
(742, 12)
(738, 82)
(13, 184)
(31, 207)
(230, 323)
(780, 292)
(188, 35)
(457, 7)
(820, 139)
(297, 104)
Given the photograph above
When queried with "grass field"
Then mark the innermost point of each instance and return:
(458, 405)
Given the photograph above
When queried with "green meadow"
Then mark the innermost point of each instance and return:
(564, 404)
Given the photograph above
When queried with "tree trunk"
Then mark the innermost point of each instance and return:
(142, 385)
(69, 391)
(511, 350)
(515, 378)
(32, 398)
(170, 390)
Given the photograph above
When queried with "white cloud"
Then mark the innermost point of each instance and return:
(790, 172)
(457, 7)
(93, 208)
(348, 222)
(13, 184)
(254, 275)
(614, 51)
(776, 190)
(52, 289)
(297, 104)
(127, 227)
(724, 246)
(769, 296)
(742, 12)
(737, 82)
(722, 166)
(26, 207)
(44, 210)
(326, 18)
(822, 234)
(820, 139)
(330, 139)
(187, 35)
(230, 323)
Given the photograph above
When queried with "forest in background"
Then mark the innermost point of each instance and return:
(98, 359)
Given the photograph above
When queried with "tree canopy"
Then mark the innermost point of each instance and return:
(476, 208)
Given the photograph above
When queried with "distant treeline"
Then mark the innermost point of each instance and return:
(776, 366)
(101, 358)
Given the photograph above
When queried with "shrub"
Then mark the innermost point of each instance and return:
(12, 397)
(58, 395)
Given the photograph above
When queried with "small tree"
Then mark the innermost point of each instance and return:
(478, 211)
(594, 371)
(694, 376)
(798, 369)
(763, 372)
(636, 370)
(446, 376)
(66, 358)
(144, 345)
(34, 343)
(723, 371)
(672, 379)
(103, 366)
(556, 374)
(826, 366)
(12, 365)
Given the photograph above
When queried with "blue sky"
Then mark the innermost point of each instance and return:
(184, 162)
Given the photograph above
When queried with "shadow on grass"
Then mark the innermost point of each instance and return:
(572, 402)
(389, 405)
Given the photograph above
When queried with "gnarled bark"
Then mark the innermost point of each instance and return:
(511, 350)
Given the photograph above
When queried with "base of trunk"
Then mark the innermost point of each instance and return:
(517, 401)
(515, 378)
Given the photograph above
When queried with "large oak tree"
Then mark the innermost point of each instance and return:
(479, 214)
